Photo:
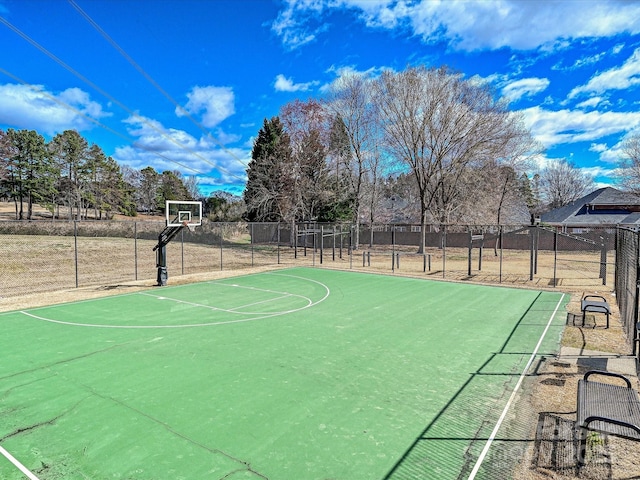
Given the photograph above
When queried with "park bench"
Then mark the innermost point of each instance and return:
(594, 304)
(606, 408)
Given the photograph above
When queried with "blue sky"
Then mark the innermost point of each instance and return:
(185, 85)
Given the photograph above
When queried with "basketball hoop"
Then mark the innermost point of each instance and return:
(190, 226)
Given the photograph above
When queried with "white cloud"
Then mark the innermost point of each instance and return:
(295, 31)
(612, 155)
(517, 24)
(469, 25)
(591, 102)
(597, 171)
(619, 78)
(616, 153)
(598, 147)
(34, 108)
(570, 126)
(214, 103)
(171, 149)
(284, 84)
(590, 60)
(542, 162)
(525, 87)
(348, 71)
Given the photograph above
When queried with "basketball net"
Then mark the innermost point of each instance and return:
(190, 226)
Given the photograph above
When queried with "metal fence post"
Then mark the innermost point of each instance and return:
(531, 252)
(135, 250)
(637, 296)
(603, 260)
(470, 252)
(321, 243)
(444, 250)
(393, 247)
(500, 242)
(555, 258)
(75, 248)
(182, 249)
(536, 243)
(350, 248)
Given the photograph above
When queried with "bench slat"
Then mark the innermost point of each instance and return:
(614, 402)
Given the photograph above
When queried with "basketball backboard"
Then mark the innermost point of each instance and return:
(180, 211)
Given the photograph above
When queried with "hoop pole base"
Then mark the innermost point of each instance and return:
(162, 277)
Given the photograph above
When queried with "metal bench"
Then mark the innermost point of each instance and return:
(594, 304)
(606, 408)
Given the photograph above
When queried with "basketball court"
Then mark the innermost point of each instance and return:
(298, 373)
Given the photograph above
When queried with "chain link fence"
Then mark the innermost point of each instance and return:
(41, 256)
(521, 255)
(53, 255)
(626, 286)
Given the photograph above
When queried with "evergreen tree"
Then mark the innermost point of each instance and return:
(147, 195)
(271, 176)
(223, 207)
(31, 175)
(108, 192)
(70, 151)
(172, 187)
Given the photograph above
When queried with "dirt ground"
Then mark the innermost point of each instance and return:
(552, 397)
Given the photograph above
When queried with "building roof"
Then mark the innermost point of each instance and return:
(605, 206)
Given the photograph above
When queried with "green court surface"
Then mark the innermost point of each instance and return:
(292, 374)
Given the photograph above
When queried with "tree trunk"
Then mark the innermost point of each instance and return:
(29, 207)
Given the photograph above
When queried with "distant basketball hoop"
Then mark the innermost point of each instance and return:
(179, 214)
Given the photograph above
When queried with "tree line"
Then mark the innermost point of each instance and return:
(423, 145)
(76, 181)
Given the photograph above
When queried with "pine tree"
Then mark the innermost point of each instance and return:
(271, 176)
(31, 176)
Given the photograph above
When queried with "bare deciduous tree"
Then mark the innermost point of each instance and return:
(561, 183)
(351, 102)
(309, 128)
(441, 125)
(629, 172)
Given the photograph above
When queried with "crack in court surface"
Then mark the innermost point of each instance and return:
(35, 426)
(59, 362)
(247, 465)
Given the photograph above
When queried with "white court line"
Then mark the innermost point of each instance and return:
(261, 316)
(235, 309)
(18, 465)
(492, 437)
(262, 302)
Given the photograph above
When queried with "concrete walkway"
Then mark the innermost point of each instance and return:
(592, 360)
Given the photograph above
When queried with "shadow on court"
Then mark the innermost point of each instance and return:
(451, 444)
